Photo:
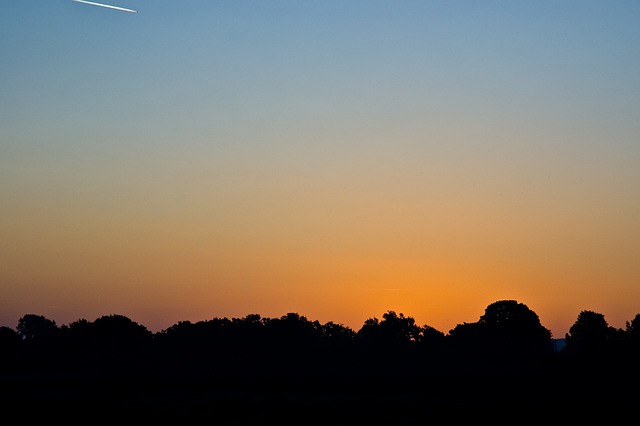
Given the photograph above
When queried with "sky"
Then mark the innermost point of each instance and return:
(334, 158)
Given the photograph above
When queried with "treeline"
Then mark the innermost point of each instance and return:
(507, 335)
(507, 351)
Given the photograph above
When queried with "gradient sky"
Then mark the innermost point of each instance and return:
(338, 159)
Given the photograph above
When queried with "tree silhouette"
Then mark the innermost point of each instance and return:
(337, 335)
(294, 343)
(633, 329)
(9, 345)
(431, 347)
(394, 331)
(119, 329)
(37, 328)
(513, 327)
(599, 362)
(387, 348)
(40, 344)
(294, 332)
(111, 342)
(507, 338)
(8, 338)
(632, 344)
(590, 333)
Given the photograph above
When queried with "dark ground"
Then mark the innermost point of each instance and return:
(315, 401)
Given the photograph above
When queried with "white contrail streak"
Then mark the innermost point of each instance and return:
(105, 5)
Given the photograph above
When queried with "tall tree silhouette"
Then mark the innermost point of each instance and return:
(590, 333)
(394, 331)
(514, 327)
(9, 346)
(37, 328)
(40, 342)
(632, 335)
(112, 342)
(508, 337)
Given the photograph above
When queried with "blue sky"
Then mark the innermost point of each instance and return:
(309, 155)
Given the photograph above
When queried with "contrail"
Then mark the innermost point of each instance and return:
(105, 5)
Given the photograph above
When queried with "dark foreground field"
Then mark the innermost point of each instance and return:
(316, 401)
